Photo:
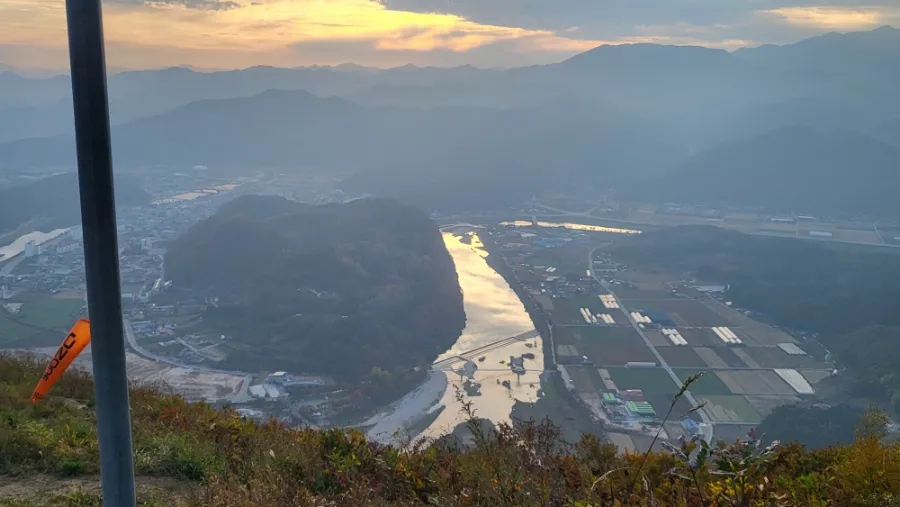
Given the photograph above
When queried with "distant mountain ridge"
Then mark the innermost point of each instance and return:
(614, 117)
(875, 53)
(43, 106)
(797, 169)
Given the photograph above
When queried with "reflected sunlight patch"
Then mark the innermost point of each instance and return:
(845, 18)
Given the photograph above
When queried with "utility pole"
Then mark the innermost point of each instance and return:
(101, 252)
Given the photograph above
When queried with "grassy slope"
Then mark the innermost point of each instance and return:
(189, 454)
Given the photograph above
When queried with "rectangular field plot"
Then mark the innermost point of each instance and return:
(582, 380)
(755, 382)
(766, 404)
(730, 408)
(563, 335)
(661, 402)
(657, 338)
(720, 357)
(763, 334)
(700, 337)
(681, 357)
(649, 380)
(568, 353)
(605, 354)
(815, 376)
(732, 356)
(626, 292)
(708, 383)
(601, 334)
(568, 311)
(774, 357)
(685, 312)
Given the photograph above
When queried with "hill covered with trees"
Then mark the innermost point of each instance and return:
(336, 289)
(53, 201)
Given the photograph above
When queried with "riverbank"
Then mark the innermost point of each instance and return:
(496, 262)
(557, 402)
(391, 425)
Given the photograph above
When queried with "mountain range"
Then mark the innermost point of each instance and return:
(631, 117)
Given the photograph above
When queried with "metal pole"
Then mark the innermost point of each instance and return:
(101, 251)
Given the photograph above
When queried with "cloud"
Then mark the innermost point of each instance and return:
(717, 23)
(206, 5)
(240, 33)
(833, 18)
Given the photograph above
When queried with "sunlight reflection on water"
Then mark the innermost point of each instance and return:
(493, 313)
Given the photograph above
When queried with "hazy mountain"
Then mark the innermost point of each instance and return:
(559, 147)
(876, 115)
(336, 289)
(687, 88)
(18, 91)
(864, 55)
(37, 108)
(54, 200)
(301, 131)
(790, 169)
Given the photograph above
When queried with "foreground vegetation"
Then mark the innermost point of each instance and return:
(190, 454)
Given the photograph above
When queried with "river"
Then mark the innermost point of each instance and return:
(493, 313)
(573, 226)
(18, 246)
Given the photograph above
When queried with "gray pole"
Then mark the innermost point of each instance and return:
(101, 251)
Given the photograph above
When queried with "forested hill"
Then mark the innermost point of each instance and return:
(54, 200)
(335, 289)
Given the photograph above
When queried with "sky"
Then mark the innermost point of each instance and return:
(224, 34)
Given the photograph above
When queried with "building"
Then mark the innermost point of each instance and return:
(279, 377)
(32, 249)
(273, 391)
(691, 426)
(710, 289)
(640, 408)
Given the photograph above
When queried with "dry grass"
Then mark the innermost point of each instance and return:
(216, 458)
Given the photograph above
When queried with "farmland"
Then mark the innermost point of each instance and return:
(739, 385)
(622, 370)
(37, 319)
(684, 312)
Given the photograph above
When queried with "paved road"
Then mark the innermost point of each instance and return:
(241, 396)
(640, 331)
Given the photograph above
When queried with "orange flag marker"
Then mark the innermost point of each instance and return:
(78, 338)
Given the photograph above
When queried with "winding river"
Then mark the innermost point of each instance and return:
(493, 313)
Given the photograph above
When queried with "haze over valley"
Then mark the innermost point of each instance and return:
(616, 117)
(651, 247)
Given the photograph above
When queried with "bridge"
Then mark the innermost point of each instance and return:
(470, 355)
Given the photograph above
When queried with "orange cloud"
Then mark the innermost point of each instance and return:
(267, 28)
(831, 18)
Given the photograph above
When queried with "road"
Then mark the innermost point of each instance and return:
(659, 358)
(132, 342)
